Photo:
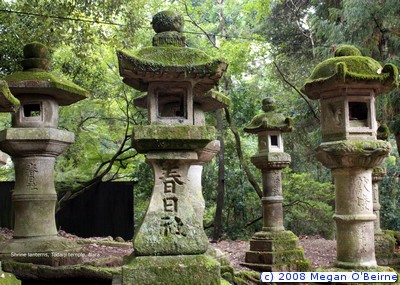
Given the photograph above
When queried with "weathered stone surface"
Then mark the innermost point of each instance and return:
(179, 270)
(176, 144)
(46, 250)
(163, 137)
(272, 249)
(34, 143)
(347, 86)
(171, 225)
(36, 272)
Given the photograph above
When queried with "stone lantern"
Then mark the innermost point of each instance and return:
(273, 248)
(176, 78)
(346, 87)
(34, 142)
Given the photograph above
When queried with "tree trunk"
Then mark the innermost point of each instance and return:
(221, 180)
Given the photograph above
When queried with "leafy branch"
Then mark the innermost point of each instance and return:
(297, 90)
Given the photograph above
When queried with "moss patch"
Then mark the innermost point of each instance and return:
(177, 270)
(269, 121)
(164, 137)
(349, 66)
(8, 103)
(22, 81)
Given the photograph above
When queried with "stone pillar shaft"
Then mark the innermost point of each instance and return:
(272, 200)
(171, 223)
(354, 217)
(34, 197)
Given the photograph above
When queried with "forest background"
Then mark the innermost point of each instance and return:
(271, 47)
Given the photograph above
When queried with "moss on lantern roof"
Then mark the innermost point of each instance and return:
(348, 65)
(22, 81)
(8, 103)
(35, 78)
(164, 57)
(270, 120)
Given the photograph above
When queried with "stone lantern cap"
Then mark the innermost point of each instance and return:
(8, 103)
(169, 59)
(270, 120)
(348, 66)
(35, 78)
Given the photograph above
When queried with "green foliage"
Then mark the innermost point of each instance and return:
(307, 201)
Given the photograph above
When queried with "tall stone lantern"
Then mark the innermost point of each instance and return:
(346, 87)
(273, 248)
(34, 142)
(170, 244)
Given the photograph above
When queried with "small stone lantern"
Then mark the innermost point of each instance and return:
(346, 87)
(176, 78)
(34, 142)
(273, 248)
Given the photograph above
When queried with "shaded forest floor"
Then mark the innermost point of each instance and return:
(319, 251)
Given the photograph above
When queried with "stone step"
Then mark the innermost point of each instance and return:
(274, 257)
(273, 245)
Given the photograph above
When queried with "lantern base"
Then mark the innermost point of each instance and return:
(178, 270)
(385, 244)
(48, 250)
(276, 251)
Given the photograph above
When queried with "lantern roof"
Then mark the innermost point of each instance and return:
(348, 66)
(169, 59)
(270, 120)
(35, 78)
(8, 103)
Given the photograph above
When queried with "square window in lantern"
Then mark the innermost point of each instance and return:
(358, 114)
(31, 110)
(274, 141)
(172, 105)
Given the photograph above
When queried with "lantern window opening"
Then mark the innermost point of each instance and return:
(172, 104)
(275, 142)
(32, 110)
(359, 113)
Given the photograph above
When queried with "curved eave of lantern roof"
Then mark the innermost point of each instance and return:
(209, 101)
(270, 121)
(8, 103)
(170, 63)
(41, 82)
(358, 71)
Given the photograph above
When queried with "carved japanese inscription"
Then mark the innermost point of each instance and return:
(32, 170)
(170, 223)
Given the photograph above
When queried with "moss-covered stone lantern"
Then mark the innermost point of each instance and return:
(177, 80)
(346, 87)
(273, 248)
(34, 142)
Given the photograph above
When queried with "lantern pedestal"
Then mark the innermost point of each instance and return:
(34, 198)
(170, 225)
(352, 162)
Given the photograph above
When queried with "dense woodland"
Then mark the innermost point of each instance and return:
(271, 47)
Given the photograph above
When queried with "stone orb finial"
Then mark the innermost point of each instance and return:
(347, 50)
(35, 57)
(168, 21)
(268, 104)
